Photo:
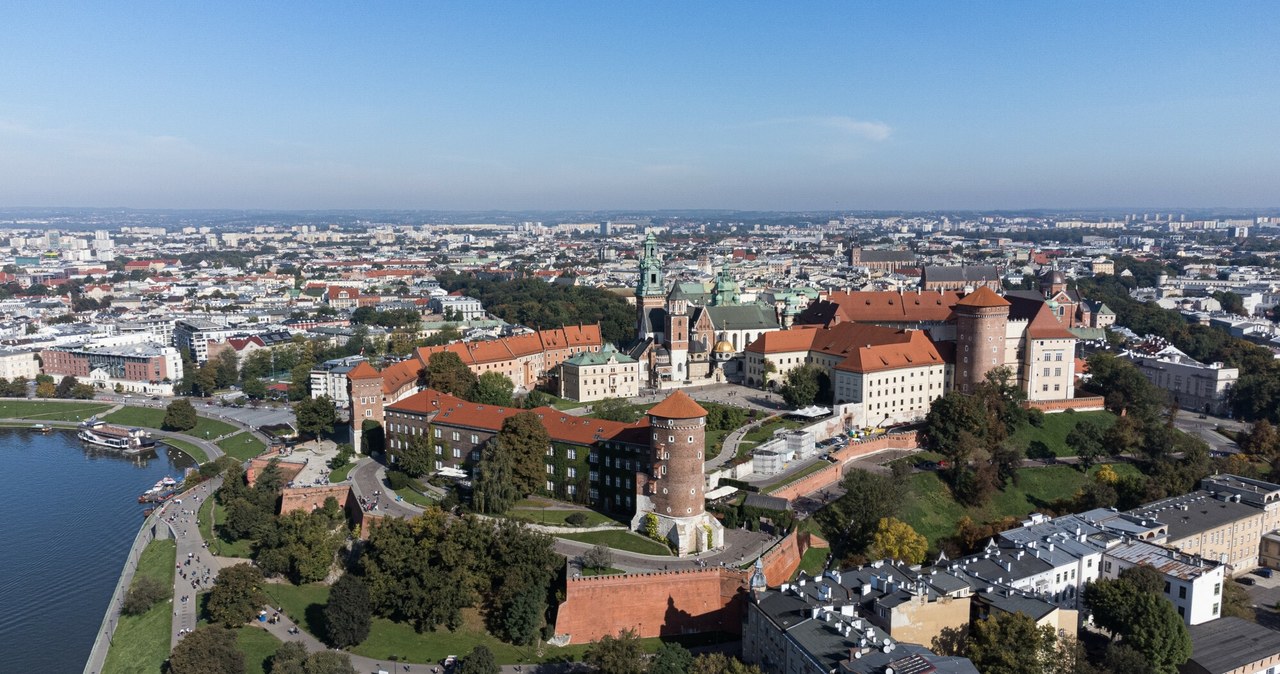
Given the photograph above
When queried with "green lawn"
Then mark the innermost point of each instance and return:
(305, 604)
(242, 445)
(622, 540)
(51, 411)
(813, 561)
(141, 643)
(241, 548)
(1056, 428)
(808, 470)
(559, 517)
(339, 474)
(147, 417)
(410, 495)
(258, 645)
(608, 571)
(932, 512)
(190, 449)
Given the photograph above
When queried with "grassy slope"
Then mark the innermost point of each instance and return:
(258, 645)
(1057, 427)
(242, 445)
(932, 511)
(622, 540)
(50, 411)
(141, 643)
(154, 418)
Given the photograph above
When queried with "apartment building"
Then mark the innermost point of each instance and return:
(142, 367)
(193, 335)
(1211, 524)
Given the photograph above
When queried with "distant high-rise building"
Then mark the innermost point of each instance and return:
(606, 228)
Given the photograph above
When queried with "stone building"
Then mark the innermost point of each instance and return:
(672, 488)
(592, 375)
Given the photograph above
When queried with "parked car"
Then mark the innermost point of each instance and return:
(1246, 580)
(1264, 572)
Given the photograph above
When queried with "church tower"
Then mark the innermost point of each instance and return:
(650, 292)
(982, 318)
(725, 293)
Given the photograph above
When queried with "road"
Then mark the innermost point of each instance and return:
(253, 417)
(1202, 426)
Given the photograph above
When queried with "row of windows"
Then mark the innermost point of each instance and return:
(1052, 356)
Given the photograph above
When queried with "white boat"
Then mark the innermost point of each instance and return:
(102, 434)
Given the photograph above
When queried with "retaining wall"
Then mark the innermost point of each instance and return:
(653, 604)
(1086, 404)
(855, 450)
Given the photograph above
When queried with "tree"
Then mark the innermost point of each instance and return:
(208, 650)
(348, 614)
(671, 658)
(316, 416)
(622, 654)
(479, 661)
(896, 540)
(445, 372)
(1262, 440)
(144, 594)
(615, 409)
(255, 388)
(1086, 440)
(46, 389)
(599, 557)
(496, 490)
(206, 379)
(180, 415)
(236, 595)
(526, 440)
(524, 616)
(803, 386)
(292, 658)
(226, 368)
(492, 388)
(1011, 643)
(850, 521)
(300, 380)
(417, 458)
(63, 389)
(1131, 607)
(719, 663)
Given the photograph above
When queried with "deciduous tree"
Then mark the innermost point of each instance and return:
(445, 372)
(622, 654)
(1011, 643)
(492, 388)
(208, 650)
(180, 415)
(479, 661)
(850, 521)
(896, 540)
(316, 416)
(236, 595)
(348, 615)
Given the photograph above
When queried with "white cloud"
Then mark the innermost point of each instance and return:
(877, 131)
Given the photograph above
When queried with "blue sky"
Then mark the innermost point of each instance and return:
(543, 105)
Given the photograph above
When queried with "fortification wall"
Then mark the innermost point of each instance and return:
(1079, 404)
(653, 604)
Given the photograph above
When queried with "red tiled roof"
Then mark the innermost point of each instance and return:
(453, 411)
(363, 370)
(983, 297)
(1046, 326)
(678, 405)
(799, 338)
(881, 307)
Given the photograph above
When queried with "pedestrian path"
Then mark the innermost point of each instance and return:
(196, 567)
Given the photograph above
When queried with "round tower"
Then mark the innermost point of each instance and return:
(678, 426)
(982, 318)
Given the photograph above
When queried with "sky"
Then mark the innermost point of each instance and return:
(639, 105)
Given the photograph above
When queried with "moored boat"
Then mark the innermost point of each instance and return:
(100, 433)
(41, 428)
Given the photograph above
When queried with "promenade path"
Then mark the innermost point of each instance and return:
(196, 566)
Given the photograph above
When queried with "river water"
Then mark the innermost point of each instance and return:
(70, 514)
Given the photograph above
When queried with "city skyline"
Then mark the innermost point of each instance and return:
(558, 106)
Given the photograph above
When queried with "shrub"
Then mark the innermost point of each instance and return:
(144, 594)
(398, 480)
(577, 519)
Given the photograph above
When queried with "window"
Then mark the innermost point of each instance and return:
(1166, 587)
(1182, 592)
(571, 472)
(1217, 590)
(457, 453)
(551, 470)
(437, 432)
(551, 486)
(475, 439)
(456, 436)
(571, 454)
(1215, 608)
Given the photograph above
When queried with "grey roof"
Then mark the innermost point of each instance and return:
(886, 255)
(1193, 513)
(966, 273)
(766, 502)
(1226, 644)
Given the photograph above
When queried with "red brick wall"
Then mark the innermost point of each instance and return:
(307, 499)
(288, 469)
(810, 483)
(832, 474)
(1086, 404)
(654, 604)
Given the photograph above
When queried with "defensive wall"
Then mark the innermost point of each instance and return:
(654, 604)
(1079, 404)
(830, 475)
(782, 560)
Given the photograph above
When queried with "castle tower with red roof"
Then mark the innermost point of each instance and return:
(673, 490)
(366, 400)
(982, 319)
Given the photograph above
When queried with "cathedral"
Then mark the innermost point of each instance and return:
(693, 332)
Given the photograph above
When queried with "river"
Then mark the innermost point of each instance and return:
(71, 514)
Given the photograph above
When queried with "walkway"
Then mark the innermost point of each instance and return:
(196, 566)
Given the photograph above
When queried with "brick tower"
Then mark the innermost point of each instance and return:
(673, 489)
(365, 391)
(981, 321)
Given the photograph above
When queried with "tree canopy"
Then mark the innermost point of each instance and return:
(236, 595)
(180, 415)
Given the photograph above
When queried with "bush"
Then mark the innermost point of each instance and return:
(144, 594)
(398, 480)
(577, 519)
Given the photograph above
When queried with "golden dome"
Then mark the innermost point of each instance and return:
(723, 346)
